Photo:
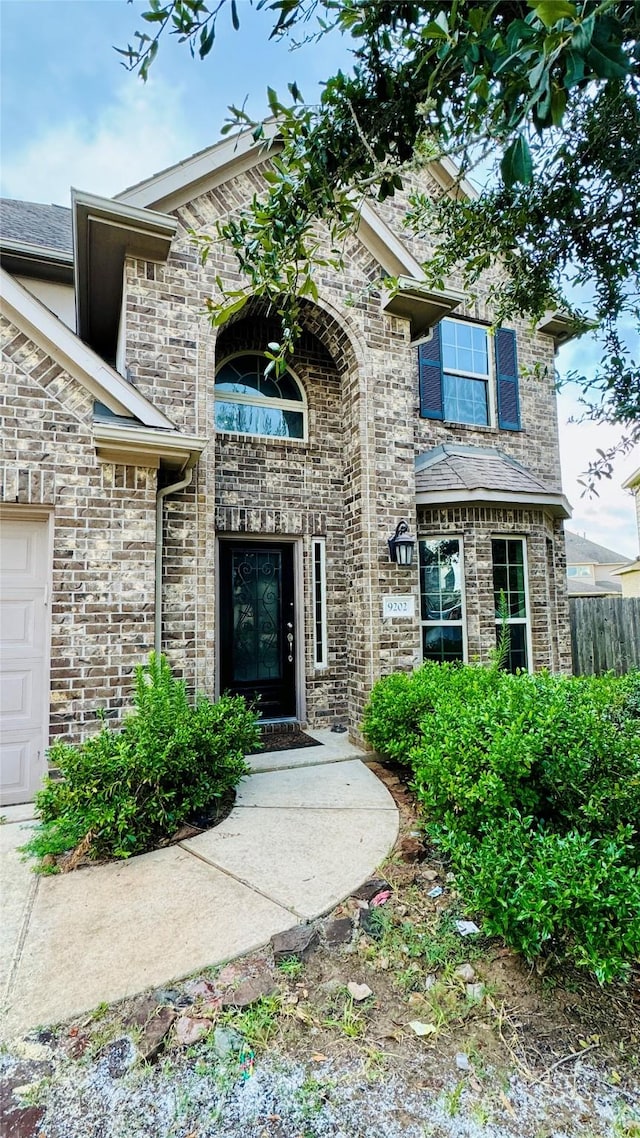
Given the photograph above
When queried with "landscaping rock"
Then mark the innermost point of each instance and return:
(23, 1122)
(466, 973)
(154, 1032)
(298, 942)
(200, 990)
(226, 1041)
(370, 888)
(338, 931)
(250, 991)
(370, 924)
(190, 1030)
(411, 849)
(462, 1061)
(475, 991)
(141, 1010)
(359, 992)
(172, 996)
(118, 1056)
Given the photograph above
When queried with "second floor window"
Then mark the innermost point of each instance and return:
(248, 402)
(469, 376)
(465, 373)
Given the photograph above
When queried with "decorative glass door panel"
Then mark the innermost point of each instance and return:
(257, 625)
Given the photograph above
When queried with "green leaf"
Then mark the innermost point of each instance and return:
(608, 61)
(234, 15)
(575, 70)
(549, 12)
(206, 41)
(517, 165)
(433, 31)
(581, 37)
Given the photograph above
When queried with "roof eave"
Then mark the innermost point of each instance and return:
(142, 446)
(104, 233)
(563, 327)
(556, 504)
(44, 262)
(421, 306)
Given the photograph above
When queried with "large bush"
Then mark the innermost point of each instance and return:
(532, 785)
(121, 792)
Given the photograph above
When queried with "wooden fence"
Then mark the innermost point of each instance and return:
(605, 634)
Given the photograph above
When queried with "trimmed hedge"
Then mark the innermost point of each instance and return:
(122, 792)
(531, 784)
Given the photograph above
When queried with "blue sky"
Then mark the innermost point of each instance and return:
(71, 115)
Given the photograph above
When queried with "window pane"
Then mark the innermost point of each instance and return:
(245, 376)
(252, 419)
(517, 654)
(442, 642)
(440, 580)
(465, 400)
(465, 348)
(508, 577)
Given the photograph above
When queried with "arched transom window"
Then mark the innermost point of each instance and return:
(252, 403)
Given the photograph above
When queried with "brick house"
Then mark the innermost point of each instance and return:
(157, 489)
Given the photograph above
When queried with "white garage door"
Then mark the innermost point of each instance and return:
(24, 652)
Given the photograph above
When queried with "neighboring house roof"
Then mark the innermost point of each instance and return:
(581, 551)
(632, 567)
(30, 223)
(633, 481)
(453, 473)
(578, 588)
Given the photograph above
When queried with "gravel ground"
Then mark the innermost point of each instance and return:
(194, 1094)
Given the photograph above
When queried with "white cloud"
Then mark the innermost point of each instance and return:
(144, 129)
(608, 519)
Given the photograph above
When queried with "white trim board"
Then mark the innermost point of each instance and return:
(104, 383)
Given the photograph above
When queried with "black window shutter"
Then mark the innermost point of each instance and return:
(430, 377)
(507, 380)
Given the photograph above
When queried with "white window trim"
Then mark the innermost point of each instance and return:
(462, 623)
(526, 620)
(488, 377)
(318, 544)
(299, 405)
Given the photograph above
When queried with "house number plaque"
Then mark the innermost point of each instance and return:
(398, 606)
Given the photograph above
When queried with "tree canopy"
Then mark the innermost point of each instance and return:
(546, 91)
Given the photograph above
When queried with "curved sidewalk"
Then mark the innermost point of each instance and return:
(309, 826)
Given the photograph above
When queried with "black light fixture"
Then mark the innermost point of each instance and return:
(401, 545)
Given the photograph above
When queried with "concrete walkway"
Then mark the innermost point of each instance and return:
(309, 826)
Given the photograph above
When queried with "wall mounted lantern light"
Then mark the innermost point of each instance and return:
(401, 545)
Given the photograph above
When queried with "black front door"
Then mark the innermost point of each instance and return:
(257, 626)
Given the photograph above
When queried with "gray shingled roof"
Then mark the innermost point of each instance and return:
(30, 223)
(581, 551)
(451, 467)
(577, 588)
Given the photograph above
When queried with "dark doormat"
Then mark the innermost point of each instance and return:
(285, 741)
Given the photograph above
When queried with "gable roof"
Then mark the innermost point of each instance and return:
(45, 226)
(581, 551)
(453, 473)
(36, 240)
(139, 431)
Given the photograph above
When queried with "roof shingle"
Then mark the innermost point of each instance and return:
(31, 223)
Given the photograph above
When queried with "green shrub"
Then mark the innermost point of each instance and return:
(571, 894)
(121, 792)
(532, 784)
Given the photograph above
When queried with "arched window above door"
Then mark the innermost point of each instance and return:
(248, 402)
